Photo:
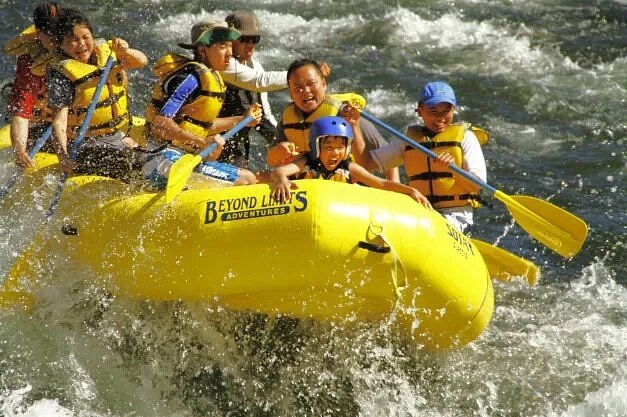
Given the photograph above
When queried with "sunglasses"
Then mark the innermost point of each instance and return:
(246, 39)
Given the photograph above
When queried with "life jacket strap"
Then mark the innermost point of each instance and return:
(430, 175)
(115, 122)
(189, 119)
(433, 145)
(108, 102)
(437, 198)
(213, 94)
(297, 126)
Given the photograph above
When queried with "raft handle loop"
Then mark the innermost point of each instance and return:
(399, 285)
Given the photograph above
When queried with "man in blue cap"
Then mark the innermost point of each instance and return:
(455, 143)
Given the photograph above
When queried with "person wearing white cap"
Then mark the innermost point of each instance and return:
(183, 112)
(455, 143)
(248, 83)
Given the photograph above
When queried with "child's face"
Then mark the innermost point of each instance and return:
(437, 118)
(218, 55)
(332, 151)
(79, 44)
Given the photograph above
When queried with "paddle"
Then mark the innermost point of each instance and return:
(504, 265)
(554, 227)
(31, 154)
(81, 134)
(181, 170)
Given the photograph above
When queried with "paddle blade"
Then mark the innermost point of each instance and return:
(504, 265)
(180, 172)
(554, 227)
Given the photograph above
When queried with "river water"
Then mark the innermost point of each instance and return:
(547, 79)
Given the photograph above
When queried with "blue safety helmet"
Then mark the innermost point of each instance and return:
(329, 126)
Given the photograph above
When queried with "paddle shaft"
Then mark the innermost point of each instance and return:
(81, 134)
(92, 106)
(31, 154)
(552, 226)
(487, 187)
(183, 168)
(228, 135)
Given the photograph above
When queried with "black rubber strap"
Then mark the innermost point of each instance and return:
(373, 247)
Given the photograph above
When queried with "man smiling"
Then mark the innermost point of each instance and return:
(308, 90)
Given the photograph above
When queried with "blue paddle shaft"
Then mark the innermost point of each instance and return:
(40, 143)
(428, 152)
(228, 135)
(81, 135)
(92, 107)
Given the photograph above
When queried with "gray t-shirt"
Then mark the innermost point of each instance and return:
(60, 90)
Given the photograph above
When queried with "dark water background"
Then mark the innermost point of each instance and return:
(547, 79)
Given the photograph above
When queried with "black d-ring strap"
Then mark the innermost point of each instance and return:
(373, 247)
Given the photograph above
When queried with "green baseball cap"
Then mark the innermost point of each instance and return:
(208, 32)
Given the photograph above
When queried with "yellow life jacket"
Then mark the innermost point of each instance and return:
(435, 183)
(296, 125)
(315, 170)
(26, 43)
(111, 112)
(198, 115)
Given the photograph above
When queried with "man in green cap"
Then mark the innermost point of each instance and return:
(183, 112)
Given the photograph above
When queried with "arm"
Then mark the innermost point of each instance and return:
(374, 140)
(19, 137)
(167, 130)
(59, 128)
(282, 151)
(254, 79)
(60, 98)
(164, 128)
(282, 184)
(351, 114)
(20, 107)
(129, 58)
(360, 174)
(222, 124)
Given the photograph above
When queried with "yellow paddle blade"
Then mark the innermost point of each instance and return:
(179, 174)
(554, 227)
(352, 98)
(504, 265)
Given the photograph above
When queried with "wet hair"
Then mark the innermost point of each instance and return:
(66, 21)
(299, 63)
(44, 17)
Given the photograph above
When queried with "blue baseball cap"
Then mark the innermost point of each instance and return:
(437, 92)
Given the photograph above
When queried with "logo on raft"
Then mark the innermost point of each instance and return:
(461, 244)
(251, 207)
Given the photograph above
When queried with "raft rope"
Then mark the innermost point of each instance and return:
(399, 285)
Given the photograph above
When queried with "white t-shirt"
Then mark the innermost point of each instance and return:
(253, 77)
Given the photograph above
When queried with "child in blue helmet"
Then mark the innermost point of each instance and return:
(330, 140)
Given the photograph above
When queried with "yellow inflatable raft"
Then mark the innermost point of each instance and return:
(334, 252)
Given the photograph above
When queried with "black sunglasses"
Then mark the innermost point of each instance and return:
(254, 39)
